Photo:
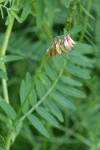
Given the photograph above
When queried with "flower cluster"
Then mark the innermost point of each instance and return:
(59, 45)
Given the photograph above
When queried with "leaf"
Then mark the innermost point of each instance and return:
(23, 93)
(3, 75)
(76, 29)
(81, 60)
(19, 127)
(50, 71)
(45, 80)
(16, 16)
(39, 12)
(62, 100)
(54, 110)
(40, 89)
(9, 58)
(87, 13)
(32, 97)
(47, 116)
(70, 81)
(15, 8)
(57, 62)
(38, 125)
(25, 12)
(83, 48)
(77, 71)
(70, 91)
(7, 108)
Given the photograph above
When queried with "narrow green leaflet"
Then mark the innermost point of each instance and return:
(52, 74)
(87, 13)
(54, 109)
(7, 108)
(70, 81)
(45, 80)
(37, 124)
(76, 29)
(19, 127)
(33, 96)
(47, 116)
(70, 91)
(23, 93)
(9, 58)
(25, 12)
(16, 16)
(3, 75)
(40, 89)
(57, 62)
(62, 100)
(77, 71)
(81, 60)
(83, 48)
(15, 8)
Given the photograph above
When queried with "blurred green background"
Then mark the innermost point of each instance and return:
(81, 129)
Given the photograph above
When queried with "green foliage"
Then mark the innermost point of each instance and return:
(38, 125)
(7, 109)
(57, 102)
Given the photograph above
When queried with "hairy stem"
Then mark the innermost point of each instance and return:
(43, 98)
(71, 13)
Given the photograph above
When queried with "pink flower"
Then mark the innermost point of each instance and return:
(59, 45)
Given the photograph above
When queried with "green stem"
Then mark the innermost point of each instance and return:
(6, 37)
(43, 98)
(5, 90)
(32, 85)
(71, 13)
(2, 53)
(8, 141)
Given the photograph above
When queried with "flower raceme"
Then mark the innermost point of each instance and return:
(59, 45)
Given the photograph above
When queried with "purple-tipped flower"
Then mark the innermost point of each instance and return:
(59, 45)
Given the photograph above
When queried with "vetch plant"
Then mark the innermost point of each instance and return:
(56, 86)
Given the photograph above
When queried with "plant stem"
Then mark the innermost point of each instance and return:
(2, 53)
(5, 90)
(8, 140)
(6, 37)
(71, 13)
